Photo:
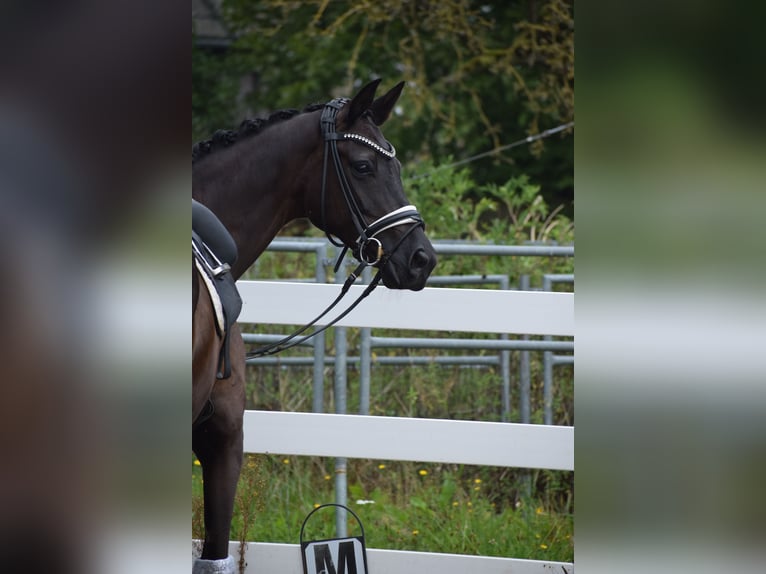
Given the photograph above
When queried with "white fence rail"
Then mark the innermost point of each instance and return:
(472, 310)
(420, 440)
(394, 438)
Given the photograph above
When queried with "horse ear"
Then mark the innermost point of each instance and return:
(381, 108)
(361, 102)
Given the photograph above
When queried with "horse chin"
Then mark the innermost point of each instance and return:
(397, 277)
(392, 281)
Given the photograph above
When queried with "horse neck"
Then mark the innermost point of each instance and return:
(254, 186)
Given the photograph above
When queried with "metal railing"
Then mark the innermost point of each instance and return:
(364, 360)
(324, 255)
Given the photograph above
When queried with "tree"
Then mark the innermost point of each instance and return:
(479, 74)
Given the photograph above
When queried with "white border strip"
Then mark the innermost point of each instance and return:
(268, 558)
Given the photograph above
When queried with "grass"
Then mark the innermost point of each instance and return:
(404, 506)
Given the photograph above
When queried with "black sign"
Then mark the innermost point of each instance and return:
(334, 555)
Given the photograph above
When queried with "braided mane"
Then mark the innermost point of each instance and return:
(249, 127)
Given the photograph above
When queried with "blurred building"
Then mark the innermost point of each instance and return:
(207, 25)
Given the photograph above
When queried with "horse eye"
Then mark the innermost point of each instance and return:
(362, 167)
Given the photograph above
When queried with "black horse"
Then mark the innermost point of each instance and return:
(331, 164)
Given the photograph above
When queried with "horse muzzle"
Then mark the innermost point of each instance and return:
(409, 269)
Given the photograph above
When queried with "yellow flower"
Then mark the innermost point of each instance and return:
(286, 460)
(316, 505)
(477, 488)
(415, 532)
(197, 463)
(455, 503)
(477, 481)
(544, 546)
(327, 477)
(539, 510)
(381, 466)
(422, 472)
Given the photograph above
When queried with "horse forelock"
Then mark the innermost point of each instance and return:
(249, 127)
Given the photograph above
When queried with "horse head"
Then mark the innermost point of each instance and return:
(361, 200)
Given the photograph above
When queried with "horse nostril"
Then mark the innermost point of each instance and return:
(419, 259)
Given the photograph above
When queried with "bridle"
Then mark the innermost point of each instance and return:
(367, 238)
(366, 232)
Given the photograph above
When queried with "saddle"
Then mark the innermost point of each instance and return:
(214, 253)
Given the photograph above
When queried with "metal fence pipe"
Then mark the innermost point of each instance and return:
(505, 367)
(548, 361)
(365, 370)
(524, 369)
(548, 388)
(505, 372)
(365, 356)
(265, 339)
(477, 360)
(510, 250)
(439, 360)
(341, 464)
(287, 361)
(466, 279)
(563, 359)
(557, 278)
(491, 344)
(298, 245)
(443, 247)
(317, 391)
(547, 369)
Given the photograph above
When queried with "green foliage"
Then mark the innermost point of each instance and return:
(511, 213)
(439, 47)
(215, 87)
(444, 198)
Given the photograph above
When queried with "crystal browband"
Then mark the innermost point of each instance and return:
(368, 142)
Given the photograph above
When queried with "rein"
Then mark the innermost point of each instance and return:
(367, 239)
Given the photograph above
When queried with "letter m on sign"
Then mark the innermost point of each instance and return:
(348, 554)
